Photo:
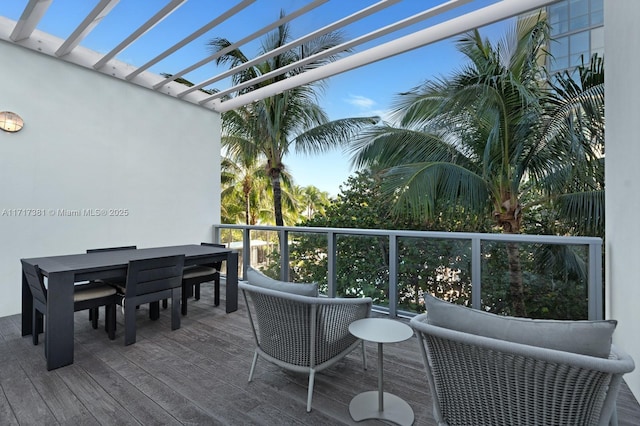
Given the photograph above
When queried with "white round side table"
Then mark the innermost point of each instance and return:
(380, 404)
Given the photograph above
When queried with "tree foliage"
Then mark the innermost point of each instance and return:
(269, 129)
(496, 145)
(438, 267)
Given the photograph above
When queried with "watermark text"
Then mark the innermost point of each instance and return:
(89, 212)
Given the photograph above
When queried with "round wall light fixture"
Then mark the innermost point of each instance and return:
(11, 122)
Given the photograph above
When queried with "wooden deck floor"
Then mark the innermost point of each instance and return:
(197, 375)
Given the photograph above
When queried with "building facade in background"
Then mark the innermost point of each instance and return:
(577, 30)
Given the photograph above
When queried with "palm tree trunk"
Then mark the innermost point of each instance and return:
(247, 186)
(516, 284)
(247, 209)
(510, 219)
(277, 197)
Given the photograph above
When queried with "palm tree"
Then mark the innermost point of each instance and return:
(245, 183)
(314, 201)
(472, 139)
(286, 122)
(242, 183)
(576, 112)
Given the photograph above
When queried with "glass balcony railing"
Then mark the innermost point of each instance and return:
(523, 275)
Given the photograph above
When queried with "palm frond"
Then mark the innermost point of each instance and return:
(333, 134)
(417, 187)
(386, 146)
(585, 210)
(562, 260)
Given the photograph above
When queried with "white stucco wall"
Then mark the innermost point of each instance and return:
(622, 62)
(91, 141)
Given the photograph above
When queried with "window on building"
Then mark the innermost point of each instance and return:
(559, 18)
(597, 12)
(578, 14)
(597, 41)
(576, 31)
(559, 50)
(579, 49)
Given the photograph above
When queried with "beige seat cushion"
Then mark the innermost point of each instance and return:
(93, 293)
(197, 271)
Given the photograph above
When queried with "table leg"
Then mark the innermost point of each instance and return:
(27, 307)
(380, 404)
(232, 282)
(59, 320)
(176, 297)
(154, 310)
(380, 379)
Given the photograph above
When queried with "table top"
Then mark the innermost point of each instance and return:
(380, 330)
(115, 258)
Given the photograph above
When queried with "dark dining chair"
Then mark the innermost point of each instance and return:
(195, 275)
(149, 281)
(84, 297)
(94, 313)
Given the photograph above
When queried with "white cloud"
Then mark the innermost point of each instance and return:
(361, 101)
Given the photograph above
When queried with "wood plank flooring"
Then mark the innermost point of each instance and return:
(197, 375)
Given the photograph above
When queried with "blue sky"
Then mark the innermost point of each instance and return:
(366, 91)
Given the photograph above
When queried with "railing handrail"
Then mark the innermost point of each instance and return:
(543, 239)
(595, 293)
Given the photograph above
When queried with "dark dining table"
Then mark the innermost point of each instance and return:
(63, 271)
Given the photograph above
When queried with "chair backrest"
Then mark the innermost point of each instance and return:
(480, 380)
(216, 265)
(153, 275)
(35, 281)
(111, 249)
(302, 330)
(213, 245)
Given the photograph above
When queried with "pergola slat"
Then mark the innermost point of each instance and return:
(253, 36)
(212, 24)
(87, 25)
(152, 22)
(33, 13)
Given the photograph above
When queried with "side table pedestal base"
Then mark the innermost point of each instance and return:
(365, 406)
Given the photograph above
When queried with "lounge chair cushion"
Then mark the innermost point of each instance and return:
(257, 278)
(591, 338)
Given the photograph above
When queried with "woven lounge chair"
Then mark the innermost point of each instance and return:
(302, 333)
(479, 380)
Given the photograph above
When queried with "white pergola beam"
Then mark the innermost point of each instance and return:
(217, 21)
(101, 10)
(152, 22)
(262, 31)
(324, 30)
(344, 46)
(476, 19)
(32, 14)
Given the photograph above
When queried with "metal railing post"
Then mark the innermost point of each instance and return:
(596, 305)
(476, 273)
(393, 275)
(332, 272)
(283, 235)
(246, 250)
(215, 234)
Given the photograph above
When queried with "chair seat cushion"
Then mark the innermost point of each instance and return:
(257, 278)
(197, 271)
(93, 292)
(591, 338)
